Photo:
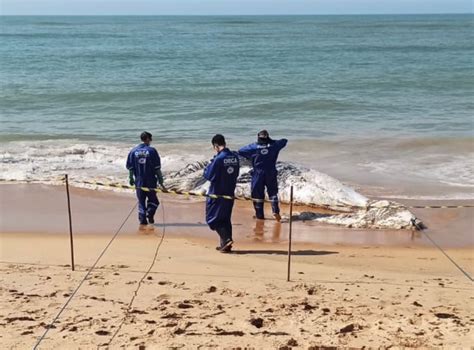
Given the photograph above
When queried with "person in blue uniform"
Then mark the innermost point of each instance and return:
(144, 167)
(222, 173)
(264, 155)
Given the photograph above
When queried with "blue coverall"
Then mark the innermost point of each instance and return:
(144, 161)
(264, 157)
(222, 173)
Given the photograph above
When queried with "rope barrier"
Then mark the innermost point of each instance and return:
(175, 192)
(147, 272)
(258, 200)
(50, 325)
(242, 198)
(135, 293)
(447, 256)
(441, 206)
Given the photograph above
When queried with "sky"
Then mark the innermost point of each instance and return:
(230, 7)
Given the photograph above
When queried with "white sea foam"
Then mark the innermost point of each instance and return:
(45, 161)
(452, 170)
(42, 161)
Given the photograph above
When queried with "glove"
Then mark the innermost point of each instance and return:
(131, 180)
(159, 175)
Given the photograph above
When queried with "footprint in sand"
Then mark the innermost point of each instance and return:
(18, 318)
(184, 305)
(308, 307)
(224, 332)
(139, 312)
(211, 289)
(121, 266)
(444, 315)
(50, 326)
(171, 316)
(256, 322)
(179, 331)
(292, 342)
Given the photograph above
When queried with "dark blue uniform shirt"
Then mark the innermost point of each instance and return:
(222, 173)
(263, 156)
(144, 161)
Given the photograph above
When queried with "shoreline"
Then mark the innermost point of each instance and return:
(99, 212)
(400, 167)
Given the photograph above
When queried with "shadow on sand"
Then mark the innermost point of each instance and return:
(283, 252)
(185, 224)
(181, 224)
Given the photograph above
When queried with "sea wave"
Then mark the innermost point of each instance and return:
(417, 161)
(452, 170)
(44, 161)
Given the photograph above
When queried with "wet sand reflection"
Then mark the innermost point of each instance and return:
(263, 229)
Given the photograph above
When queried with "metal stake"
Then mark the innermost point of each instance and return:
(289, 234)
(70, 221)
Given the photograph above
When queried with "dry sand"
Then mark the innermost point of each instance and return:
(367, 294)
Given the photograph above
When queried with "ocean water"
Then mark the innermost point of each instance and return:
(381, 102)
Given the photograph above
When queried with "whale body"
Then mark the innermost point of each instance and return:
(311, 188)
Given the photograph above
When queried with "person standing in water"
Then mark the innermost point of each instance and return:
(264, 155)
(144, 166)
(222, 173)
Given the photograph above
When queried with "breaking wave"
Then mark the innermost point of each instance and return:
(44, 161)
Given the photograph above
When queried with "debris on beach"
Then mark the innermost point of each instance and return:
(376, 215)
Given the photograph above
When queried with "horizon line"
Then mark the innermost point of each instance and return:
(224, 14)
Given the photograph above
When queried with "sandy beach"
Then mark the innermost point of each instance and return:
(370, 291)
(359, 112)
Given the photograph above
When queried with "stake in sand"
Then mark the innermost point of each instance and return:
(289, 233)
(70, 221)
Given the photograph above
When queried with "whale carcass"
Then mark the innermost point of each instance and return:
(311, 188)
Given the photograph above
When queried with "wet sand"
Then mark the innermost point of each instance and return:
(42, 209)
